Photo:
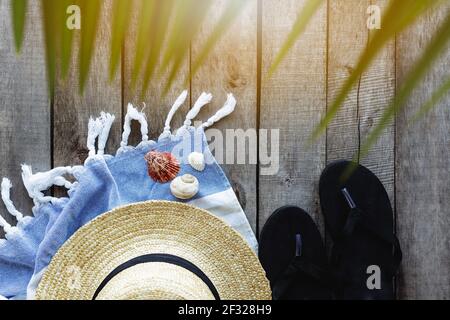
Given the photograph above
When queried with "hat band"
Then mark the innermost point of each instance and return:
(165, 258)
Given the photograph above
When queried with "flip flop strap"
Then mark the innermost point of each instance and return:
(298, 266)
(356, 218)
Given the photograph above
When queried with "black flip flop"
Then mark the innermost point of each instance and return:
(293, 255)
(358, 214)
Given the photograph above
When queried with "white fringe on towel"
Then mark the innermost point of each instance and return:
(178, 103)
(202, 101)
(6, 197)
(99, 128)
(107, 121)
(133, 114)
(5, 225)
(226, 110)
(37, 183)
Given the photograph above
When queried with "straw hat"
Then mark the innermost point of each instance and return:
(155, 250)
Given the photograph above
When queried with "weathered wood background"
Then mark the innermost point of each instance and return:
(413, 161)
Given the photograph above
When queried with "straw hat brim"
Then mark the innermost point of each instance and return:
(155, 227)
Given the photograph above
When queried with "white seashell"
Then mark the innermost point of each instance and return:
(185, 187)
(197, 161)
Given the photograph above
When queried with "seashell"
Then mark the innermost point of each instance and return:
(197, 161)
(184, 187)
(162, 166)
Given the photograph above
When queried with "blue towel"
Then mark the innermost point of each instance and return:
(104, 183)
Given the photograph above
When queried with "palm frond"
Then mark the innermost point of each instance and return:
(398, 16)
(430, 55)
(147, 13)
(433, 101)
(305, 16)
(49, 21)
(19, 9)
(66, 35)
(160, 25)
(190, 23)
(89, 23)
(181, 19)
(121, 12)
(231, 12)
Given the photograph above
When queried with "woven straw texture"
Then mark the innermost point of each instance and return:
(164, 227)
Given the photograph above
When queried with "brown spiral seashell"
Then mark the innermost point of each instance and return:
(162, 166)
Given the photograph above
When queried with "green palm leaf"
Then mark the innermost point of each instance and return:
(160, 25)
(398, 16)
(19, 9)
(191, 21)
(305, 16)
(176, 32)
(66, 36)
(121, 12)
(49, 21)
(90, 16)
(147, 12)
(432, 52)
(433, 101)
(231, 12)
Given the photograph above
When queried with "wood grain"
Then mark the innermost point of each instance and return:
(348, 37)
(293, 101)
(72, 110)
(377, 90)
(423, 173)
(411, 160)
(364, 106)
(231, 67)
(24, 105)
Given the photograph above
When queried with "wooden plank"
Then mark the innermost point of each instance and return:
(231, 67)
(376, 92)
(348, 37)
(293, 101)
(423, 174)
(72, 110)
(158, 104)
(24, 104)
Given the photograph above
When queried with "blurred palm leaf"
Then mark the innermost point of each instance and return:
(58, 38)
(188, 21)
(49, 19)
(144, 33)
(305, 16)
(121, 18)
(180, 19)
(66, 36)
(165, 30)
(19, 9)
(160, 25)
(91, 10)
(433, 101)
(398, 16)
(413, 79)
(231, 12)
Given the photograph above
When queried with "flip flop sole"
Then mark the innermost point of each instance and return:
(277, 249)
(363, 252)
